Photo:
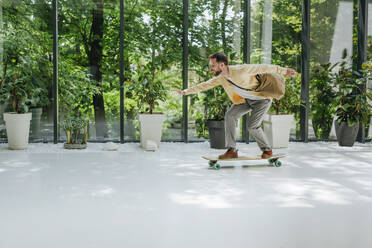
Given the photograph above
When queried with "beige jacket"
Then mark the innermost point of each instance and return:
(244, 76)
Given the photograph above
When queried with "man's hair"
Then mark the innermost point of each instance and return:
(220, 57)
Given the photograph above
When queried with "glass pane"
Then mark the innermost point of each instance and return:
(153, 60)
(89, 65)
(26, 50)
(331, 36)
(215, 26)
(276, 39)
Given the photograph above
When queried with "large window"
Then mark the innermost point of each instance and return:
(89, 60)
(276, 39)
(26, 49)
(153, 60)
(331, 39)
(215, 26)
(89, 65)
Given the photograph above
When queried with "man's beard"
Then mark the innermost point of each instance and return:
(216, 73)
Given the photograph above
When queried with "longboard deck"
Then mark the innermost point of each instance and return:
(273, 160)
(248, 157)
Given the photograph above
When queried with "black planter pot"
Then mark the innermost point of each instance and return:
(346, 135)
(216, 134)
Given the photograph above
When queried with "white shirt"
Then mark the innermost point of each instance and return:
(245, 93)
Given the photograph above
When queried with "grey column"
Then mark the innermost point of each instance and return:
(55, 70)
(122, 71)
(246, 54)
(362, 50)
(1, 39)
(185, 68)
(305, 71)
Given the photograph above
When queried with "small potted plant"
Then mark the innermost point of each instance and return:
(277, 123)
(149, 90)
(76, 128)
(15, 91)
(351, 103)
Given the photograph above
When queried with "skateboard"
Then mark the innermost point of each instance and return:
(273, 160)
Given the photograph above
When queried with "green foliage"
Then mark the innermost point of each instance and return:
(216, 103)
(289, 103)
(286, 36)
(17, 93)
(323, 95)
(148, 87)
(25, 54)
(75, 89)
(351, 100)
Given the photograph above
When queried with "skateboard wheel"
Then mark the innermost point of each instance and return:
(217, 166)
(277, 163)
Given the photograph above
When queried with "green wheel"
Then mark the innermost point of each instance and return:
(277, 163)
(212, 163)
(217, 166)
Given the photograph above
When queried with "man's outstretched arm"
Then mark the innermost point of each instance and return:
(213, 82)
(265, 68)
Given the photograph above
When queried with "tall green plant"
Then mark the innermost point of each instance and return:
(76, 90)
(323, 95)
(351, 101)
(148, 87)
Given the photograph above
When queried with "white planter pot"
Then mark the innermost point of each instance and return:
(17, 130)
(150, 129)
(277, 129)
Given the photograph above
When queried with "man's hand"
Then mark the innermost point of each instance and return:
(290, 72)
(180, 92)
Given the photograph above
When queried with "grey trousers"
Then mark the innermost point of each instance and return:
(232, 116)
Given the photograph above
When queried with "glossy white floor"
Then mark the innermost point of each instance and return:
(53, 198)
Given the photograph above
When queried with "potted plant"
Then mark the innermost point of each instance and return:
(15, 91)
(76, 128)
(210, 115)
(277, 123)
(149, 89)
(351, 103)
(323, 95)
(216, 103)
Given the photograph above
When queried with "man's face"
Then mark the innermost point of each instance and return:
(215, 67)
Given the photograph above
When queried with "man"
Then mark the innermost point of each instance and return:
(249, 87)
